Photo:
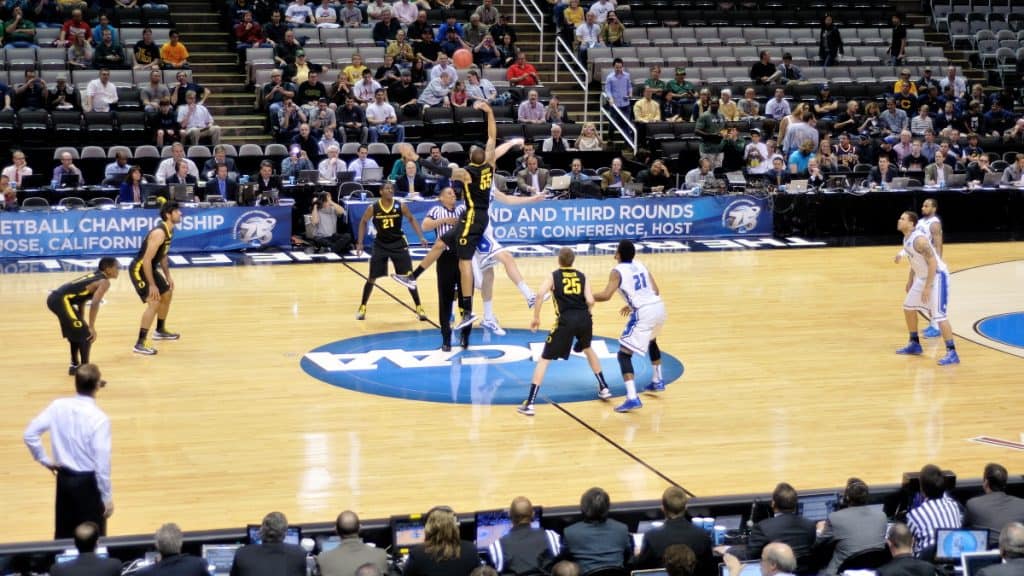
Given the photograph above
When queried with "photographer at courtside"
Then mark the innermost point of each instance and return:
(322, 229)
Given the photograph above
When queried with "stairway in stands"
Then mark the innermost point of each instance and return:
(215, 66)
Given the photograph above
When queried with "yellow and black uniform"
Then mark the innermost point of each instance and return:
(68, 301)
(389, 243)
(139, 276)
(467, 234)
(574, 320)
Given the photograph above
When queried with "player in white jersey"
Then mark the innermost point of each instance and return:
(931, 226)
(646, 313)
(927, 288)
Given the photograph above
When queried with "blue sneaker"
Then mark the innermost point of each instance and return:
(629, 404)
(912, 349)
(655, 386)
(931, 332)
(951, 357)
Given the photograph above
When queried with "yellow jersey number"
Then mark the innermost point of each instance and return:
(485, 179)
(572, 285)
(386, 223)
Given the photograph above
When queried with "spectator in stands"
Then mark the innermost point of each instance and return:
(354, 70)
(275, 92)
(249, 34)
(755, 154)
(87, 563)
(973, 150)
(382, 119)
(655, 82)
(1014, 173)
(375, 10)
(531, 111)
(220, 156)
(900, 541)
(784, 526)
(404, 94)
(507, 49)
(79, 54)
(407, 153)
(927, 81)
(220, 183)
(800, 157)
(789, 72)
(100, 93)
(619, 87)
(554, 112)
(974, 120)
(524, 549)
(850, 120)
(727, 106)
(589, 139)
(680, 560)
(19, 32)
(265, 179)
(475, 32)
(453, 42)
(299, 71)
(915, 161)
(502, 28)
(272, 556)
(826, 157)
(297, 160)
(922, 122)
(298, 14)
(830, 42)
(350, 16)
(763, 71)
(487, 12)
(710, 128)
(436, 92)
(166, 125)
(405, 12)
(556, 143)
(153, 92)
(826, 105)
(166, 169)
(352, 119)
(657, 179)
(400, 50)
(588, 35)
(66, 167)
(116, 170)
(322, 117)
(307, 140)
(777, 176)
(904, 84)
(285, 51)
(442, 552)
(181, 175)
(572, 16)
(930, 96)
(310, 93)
(331, 165)
(364, 90)
(324, 16)
(522, 73)
(196, 121)
(678, 92)
(17, 170)
(976, 172)
(184, 86)
(612, 31)
(145, 52)
(646, 110)
(846, 152)
(427, 49)
(902, 148)
(937, 174)
(600, 10)
(898, 42)
(867, 152)
(449, 24)
(351, 553)
(533, 179)
(75, 26)
(598, 541)
(778, 107)
(853, 529)
(385, 30)
(444, 65)
(486, 53)
(612, 183)
(275, 29)
(1015, 135)
(361, 163)
(958, 83)
(30, 94)
(893, 120)
(131, 187)
(677, 529)
(997, 120)
(172, 562)
(529, 151)
(411, 184)
(777, 559)
(107, 53)
(173, 54)
(104, 24)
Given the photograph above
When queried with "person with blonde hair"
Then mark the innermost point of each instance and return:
(442, 553)
(589, 138)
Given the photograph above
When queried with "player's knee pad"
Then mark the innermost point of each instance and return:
(655, 352)
(625, 362)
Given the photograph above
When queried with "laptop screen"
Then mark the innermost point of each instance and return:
(220, 556)
(69, 181)
(750, 568)
(491, 525)
(292, 536)
(657, 572)
(72, 553)
(407, 532)
(972, 562)
(328, 543)
(950, 543)
(817, 507)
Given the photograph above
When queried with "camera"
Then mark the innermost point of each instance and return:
(321, 199)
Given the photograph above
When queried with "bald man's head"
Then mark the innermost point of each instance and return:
(778, 557)
(347, 524)
(521, 511)
(86, 536)
(1011, 541)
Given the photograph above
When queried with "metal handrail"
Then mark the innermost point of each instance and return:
(564, 54)
(618, 120)
(536, 16)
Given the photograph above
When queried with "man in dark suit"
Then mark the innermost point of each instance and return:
(221, 184)
(995, 508)
(87, 534)
(597, 541)
(271, 557)
(533, 179)
(1011, 548)
(676, 530)
(855, 528)
(352, 553)
(785, 526)
(882, 174)
(172, 561)
(903, 563)
(265, 179)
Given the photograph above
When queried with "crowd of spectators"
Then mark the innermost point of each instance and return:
(854, 536)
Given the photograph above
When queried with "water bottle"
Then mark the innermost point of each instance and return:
(362, 195)
(291, 180)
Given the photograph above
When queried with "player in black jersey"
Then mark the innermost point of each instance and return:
(68, 302)
(389, 244)
(476, 178)
(155, 287)
(573, 301)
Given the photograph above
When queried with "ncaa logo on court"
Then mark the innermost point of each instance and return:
(495, 369)
(255, 227)
(741, 216)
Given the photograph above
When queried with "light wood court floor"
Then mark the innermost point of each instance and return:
(790, 375)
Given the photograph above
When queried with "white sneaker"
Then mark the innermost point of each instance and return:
(492, 325)
(604, 393)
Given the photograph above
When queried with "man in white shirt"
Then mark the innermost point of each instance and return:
(80, 443)
(365, 89)
(959, 83)
(777, 107)
(444, 65)
(600, 10)
(100, 93)
(330, 166)
(298, 14)
(166, 168)
(196, 121)
(381, 119)
(405, 11)
(18, 170)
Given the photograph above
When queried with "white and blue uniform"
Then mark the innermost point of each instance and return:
(933, 305)
(924, 224)
(648, 310)
(487, 246)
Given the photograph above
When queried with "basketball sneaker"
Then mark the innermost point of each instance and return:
(951, 357)
(931, 332)
(422, 314)
(446, 347)
(361, 313)
(911, 349)
(492, 325)
(464, 340)
(629, 404)
(655, 386)
(532, 300)
(604, 393)
(158, 335)
(525, 409)
(467, 320)
(405, 280)
(72, 369)
(145, 349)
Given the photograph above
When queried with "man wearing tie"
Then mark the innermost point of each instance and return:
(330, 167)
(18, 170)
(360, 164)
(221, 185)
(80, 443)
(265, 180)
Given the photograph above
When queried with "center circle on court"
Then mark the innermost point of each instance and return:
(495, 370)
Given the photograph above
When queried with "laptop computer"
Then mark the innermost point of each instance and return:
(837, 182)
(291, 536)
(308, 176)
(749, 568)
(992, 180)
(220, 557)
(956, 181)
(345, 176)
(373, 174)
(72, 553)
(247, 194)
(182, 192)
(900, 182)
(655, 572)
(796, 187)
(560, 182)
(491, 525)
(328, 543)
(972, 562)
(951, 543)
(406, 532)
(69, 181)
(817, 506)
(33, 181)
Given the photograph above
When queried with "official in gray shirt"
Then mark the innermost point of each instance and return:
(597, 541)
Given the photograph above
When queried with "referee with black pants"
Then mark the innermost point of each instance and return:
(80, 443)
(443, 218)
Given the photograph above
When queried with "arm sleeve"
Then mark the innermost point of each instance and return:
(101, 447)
(33, 434)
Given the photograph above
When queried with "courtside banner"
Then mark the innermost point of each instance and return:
(112, 232)
(615, 219)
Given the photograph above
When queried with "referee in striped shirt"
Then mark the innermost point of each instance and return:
(441, 219)
(937, 511)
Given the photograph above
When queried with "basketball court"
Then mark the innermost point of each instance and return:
(788, 373)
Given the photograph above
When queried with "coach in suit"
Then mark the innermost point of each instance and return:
(533, 179)
(87, 563)
(855, 528)
(1011, 548)
(931, 173)
(903, 563)
(597, 541)
(352, 552)
(172, 561)
(785, 526)
(676, 530)
(614, 179)
(221, 185)
(995, 508)
(272, 556)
